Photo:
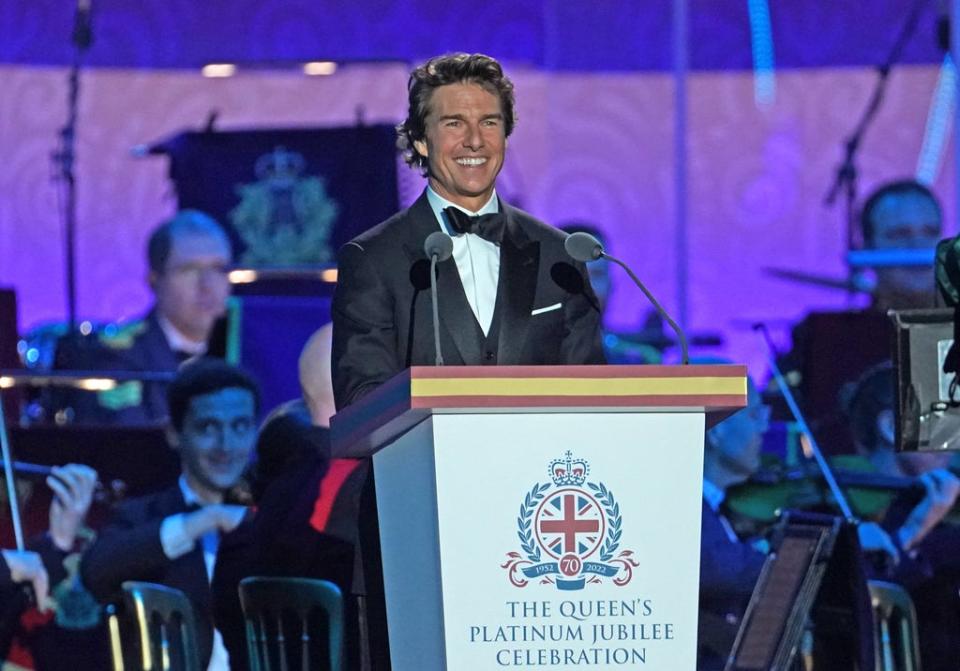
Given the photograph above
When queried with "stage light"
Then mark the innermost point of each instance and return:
(96, 384)
(214, 70)
(939, 124)
(242, 276)
(761, 41)
(319, 68)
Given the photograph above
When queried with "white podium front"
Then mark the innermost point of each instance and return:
(540, 516)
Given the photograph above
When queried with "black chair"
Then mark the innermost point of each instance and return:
(166, 627)
(265, 601)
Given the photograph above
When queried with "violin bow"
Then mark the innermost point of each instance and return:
(11, 482)
(828, 476)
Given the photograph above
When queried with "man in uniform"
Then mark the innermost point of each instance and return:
(189, 256)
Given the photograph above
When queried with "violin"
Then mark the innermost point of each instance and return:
(755, 503)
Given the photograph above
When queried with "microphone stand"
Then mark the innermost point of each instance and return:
(822, 463)
(846, 176)
(681, 336)
(65, 156)
(436, 309)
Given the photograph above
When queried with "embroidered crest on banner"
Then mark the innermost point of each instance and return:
(285, 218)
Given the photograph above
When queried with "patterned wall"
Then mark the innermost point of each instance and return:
(595, 146)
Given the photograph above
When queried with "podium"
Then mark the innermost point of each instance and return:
(540, 515)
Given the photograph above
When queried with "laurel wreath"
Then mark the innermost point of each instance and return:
(612, 508)
(529, 504)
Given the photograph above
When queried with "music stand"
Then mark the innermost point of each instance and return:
(927, 411)
(813, 573)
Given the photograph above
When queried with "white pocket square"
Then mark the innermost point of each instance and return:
(549, 308)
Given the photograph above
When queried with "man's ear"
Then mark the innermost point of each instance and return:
(886, 426)
(713, 437)
(421, 147)
(173, 438)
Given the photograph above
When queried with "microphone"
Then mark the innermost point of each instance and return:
(438, 247)
(438, 244)
(584, 247)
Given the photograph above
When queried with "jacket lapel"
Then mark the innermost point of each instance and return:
(456, 317)
(516, 289)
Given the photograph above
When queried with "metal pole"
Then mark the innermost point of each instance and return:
(11, 482)
(680, 69)
(955, 57)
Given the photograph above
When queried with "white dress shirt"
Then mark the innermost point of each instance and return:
(176, 543)
(179, 342)
(714, 496)
(478, 260)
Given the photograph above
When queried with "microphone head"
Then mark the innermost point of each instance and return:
(438, 244)
(583, 247)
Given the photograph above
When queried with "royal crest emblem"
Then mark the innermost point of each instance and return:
(285, 218)
(569, 532)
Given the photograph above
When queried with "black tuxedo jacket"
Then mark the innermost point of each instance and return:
(382, 315)
(129, 548)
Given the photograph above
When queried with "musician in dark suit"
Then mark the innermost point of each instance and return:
(729, 565)
(189, 256)
(509, 295)
(171, 537)
(42, 566)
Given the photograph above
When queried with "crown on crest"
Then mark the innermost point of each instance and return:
(280, 165)
(569, 471)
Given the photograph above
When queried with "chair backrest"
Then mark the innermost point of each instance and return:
(266, 600)
(166, 627)
(894, 627)
(116, 642)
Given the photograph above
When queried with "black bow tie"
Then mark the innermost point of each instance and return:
(487, 226)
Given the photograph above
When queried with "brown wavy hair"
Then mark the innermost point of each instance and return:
(450, 69)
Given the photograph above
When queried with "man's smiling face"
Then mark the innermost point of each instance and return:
(464, 143)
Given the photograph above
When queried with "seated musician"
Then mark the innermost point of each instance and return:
(831, 349)
(902, 214)
(918, 520)
(42, 566)
(172, 537)
(307, 507)
(729, 566)
(188, 257)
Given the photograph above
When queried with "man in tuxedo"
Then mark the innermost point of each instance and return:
(509, 295)
(171, 537)
(189, 256)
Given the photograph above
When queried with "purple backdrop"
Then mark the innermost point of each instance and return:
(591, 143)
(556, 34)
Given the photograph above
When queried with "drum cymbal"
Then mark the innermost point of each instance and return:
(857, 283)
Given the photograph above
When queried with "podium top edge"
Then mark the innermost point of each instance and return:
(715, 390)
(575, 372)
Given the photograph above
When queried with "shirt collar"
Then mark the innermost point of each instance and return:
(713, 495)
(438, 203)
(190, 497)
(177, 341)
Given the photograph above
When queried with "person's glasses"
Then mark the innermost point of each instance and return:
(196, 271)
